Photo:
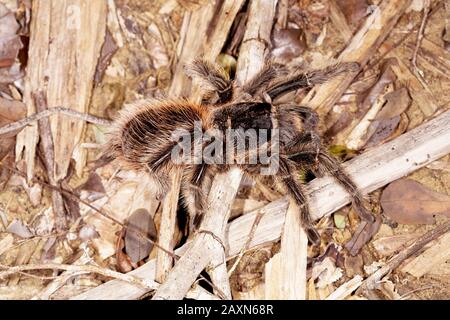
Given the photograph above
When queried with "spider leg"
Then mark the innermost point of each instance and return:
(329, 165)
(260, 81)
(306, 151)
(309, 116)
(296, 193)
(213, 79)
(194, 189)
(308, 79)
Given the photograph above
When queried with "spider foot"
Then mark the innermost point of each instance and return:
(312, 234)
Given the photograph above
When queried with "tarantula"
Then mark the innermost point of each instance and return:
(143, 139)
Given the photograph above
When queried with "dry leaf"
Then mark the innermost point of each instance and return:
(409, 202)
(93, 188)
(387, 246)
(362, 235)
(10, 45)
(10, 111)
(388, 132)
(397, 102)
(287, 44)
(108, 49)
(136, 246)
(390, 121)
(353, 10)
(49, 250)
(18, 228)
(383, 130)
(9, 49)
(354, 265)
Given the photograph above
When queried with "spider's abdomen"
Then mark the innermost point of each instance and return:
(144, 134)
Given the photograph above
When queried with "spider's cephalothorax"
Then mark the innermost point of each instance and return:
(143, 138)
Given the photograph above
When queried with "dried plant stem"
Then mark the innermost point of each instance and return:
(371, 282)
(167, 228)
(62, 59)
(247, 243)
(18, 125)
(45, 132)
(426, 9)
(143, 283)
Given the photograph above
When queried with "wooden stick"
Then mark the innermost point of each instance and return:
(66, 37)
(285, 273)
(207, 243)
(426, 9)
(346, 289)
(255, 44)
(61, 279)
(17, 125)
(339, 21)
(167, 228)
(247, 242)
(293, 258)
(437, 253)
(59, 210)
(372, 282)
(371, 170)
(143, 283)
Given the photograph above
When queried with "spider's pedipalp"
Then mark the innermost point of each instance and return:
(212, 78)
(196, 182)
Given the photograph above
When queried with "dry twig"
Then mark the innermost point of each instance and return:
(18, 125)
(372, 282)
(426, 9)
(143, 283)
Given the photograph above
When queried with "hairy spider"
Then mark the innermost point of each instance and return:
(143, 138)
